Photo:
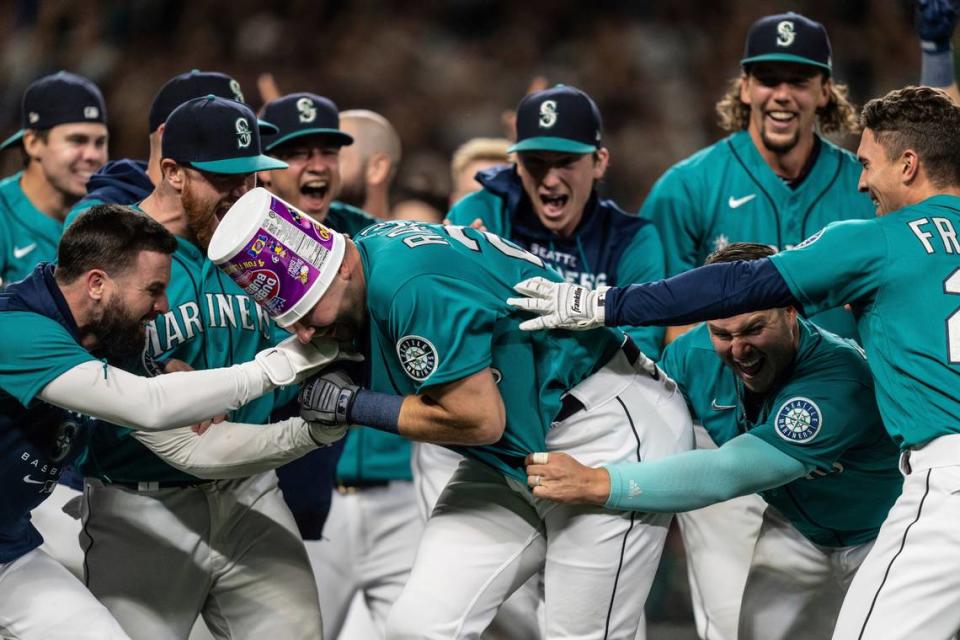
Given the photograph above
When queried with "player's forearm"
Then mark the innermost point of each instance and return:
(152, 404)
(424, 420)
(231, 450)
(714, 291)
(696, 479)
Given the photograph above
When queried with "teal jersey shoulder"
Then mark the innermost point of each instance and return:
(27, 235)
(436, 297)
(824, 416)
(727, 193)
(347, 219)
(707, 385)
(608, 247)
(211, 323)
(27, 366)
(901, 275)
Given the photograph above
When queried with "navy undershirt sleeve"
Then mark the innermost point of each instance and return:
(713, 291)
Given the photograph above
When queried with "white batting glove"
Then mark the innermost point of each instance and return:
(291, 361)
(560, 305)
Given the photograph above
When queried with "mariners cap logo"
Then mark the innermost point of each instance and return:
(307, 110)
(418, 357)
(66, 433)
(244, 137)
(799, 420)
(785, 33)
(548, 114)
(235, 90)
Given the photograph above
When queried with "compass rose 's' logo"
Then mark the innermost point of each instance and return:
(418, 357)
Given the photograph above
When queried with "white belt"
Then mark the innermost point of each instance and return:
(939, 452)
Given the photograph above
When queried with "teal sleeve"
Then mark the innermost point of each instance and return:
(841, 263)
(672, 209)
(643, 261)
(486, 206)
(453, 317)
(699, 478)
(816, 420)
(30, 364)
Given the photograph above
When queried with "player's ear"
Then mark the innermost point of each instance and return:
(173, 173)
(826, 89)
(378, 168)
(96, 281)
(909, 165)
(744, 89)
(32, 142)
(601, 160)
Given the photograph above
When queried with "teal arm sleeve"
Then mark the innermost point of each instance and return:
(695, 479)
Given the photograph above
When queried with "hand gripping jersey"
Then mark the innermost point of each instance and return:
(608, 247)
(727, 193)
(436, 298)
(901, 274)
(36, 439)
(823, 415)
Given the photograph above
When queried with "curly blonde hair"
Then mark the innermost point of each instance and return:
(839, 115)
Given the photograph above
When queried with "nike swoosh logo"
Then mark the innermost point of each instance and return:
(30, 480)
(739, 202)
(19, 252)
(721, 407)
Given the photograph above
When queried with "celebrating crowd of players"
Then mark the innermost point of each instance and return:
(150, 396)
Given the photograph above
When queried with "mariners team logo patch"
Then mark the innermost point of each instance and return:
(418, 357)
(798, 420)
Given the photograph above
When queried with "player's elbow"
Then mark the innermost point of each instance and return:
(489, 430)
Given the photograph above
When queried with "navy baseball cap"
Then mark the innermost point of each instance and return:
(196, 84)
(216, 134)
(788, 37)
(304, 114)
(60, 98)
(559, 119)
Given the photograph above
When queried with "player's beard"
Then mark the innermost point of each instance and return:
(120, 336)
(354, 192)
(203, 217)
(780, 147)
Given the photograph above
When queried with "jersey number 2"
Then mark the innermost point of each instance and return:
(952, 285)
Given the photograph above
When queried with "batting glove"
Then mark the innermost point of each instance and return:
(936, 20)
(326, 399)
(560, 305)
(291, 361)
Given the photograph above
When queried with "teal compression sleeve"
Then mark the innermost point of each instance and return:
(695, 479)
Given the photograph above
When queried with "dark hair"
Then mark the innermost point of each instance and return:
(109, 237)
(922, 119)
(740, 251)
(839, 115)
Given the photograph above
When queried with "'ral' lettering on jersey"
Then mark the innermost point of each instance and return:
(418, 357)
(799, 420)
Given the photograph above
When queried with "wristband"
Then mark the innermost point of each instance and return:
(380, 411)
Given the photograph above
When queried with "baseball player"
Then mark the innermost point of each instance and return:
(898, 272)
(230, 549)
(448, 365)
(373, 530)
(774, 180)
(64, 140)
(369, 166)
(792, 407)
(83, 316)
(472, 157)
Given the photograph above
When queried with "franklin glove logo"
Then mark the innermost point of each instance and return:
(244, 137)
(577, 300)
(785, 34)
(548, 114)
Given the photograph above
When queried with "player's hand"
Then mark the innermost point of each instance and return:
(936, 20)
(558, 477)
(292, 361)
(326, 399)
(560, 305)
(325, 435)
(476, 224)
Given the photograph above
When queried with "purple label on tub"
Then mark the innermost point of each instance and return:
(282, 260)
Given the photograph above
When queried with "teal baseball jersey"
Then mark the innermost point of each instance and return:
(436, 299)
(608, 247)
(347, 219)
(823, 415)
(211, 323)
(727, 193)
(901, 274)
(27, 235)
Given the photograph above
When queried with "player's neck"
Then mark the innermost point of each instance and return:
(167, 209)
(790, 164)
(43, 195)
(377, 204)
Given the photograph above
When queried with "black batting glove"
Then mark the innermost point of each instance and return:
(327, 398)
